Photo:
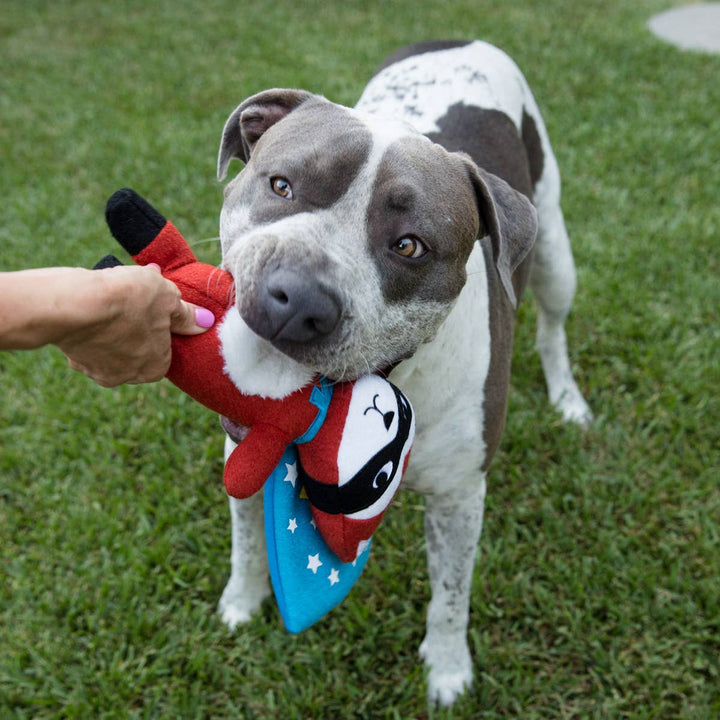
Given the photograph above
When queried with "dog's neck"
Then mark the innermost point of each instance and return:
(254, 365)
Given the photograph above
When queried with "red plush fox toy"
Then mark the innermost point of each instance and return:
(353, 438)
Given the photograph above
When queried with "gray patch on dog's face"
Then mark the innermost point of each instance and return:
(424, 192)
(296, 149)
(319, 149)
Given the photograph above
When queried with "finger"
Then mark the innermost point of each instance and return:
(191, 319)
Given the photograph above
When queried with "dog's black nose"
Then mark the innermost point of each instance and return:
(295, 308)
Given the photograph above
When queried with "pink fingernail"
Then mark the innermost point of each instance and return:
(155, 266)
(204, 318)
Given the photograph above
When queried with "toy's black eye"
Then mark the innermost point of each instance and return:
(410, 247)
(281, 186)
(382, 479)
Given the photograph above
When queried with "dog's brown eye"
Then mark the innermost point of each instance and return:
(280, 186)
(409, 247)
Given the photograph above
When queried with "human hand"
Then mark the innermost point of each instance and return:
(129, 318)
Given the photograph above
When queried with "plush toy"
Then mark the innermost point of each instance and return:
(353, 439)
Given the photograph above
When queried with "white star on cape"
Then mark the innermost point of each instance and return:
(334, 577)
(292, 525)
(314, 563)
(292, 474)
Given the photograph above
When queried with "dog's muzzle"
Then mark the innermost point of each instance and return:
(292, 307)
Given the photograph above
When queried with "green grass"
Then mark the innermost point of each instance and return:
(597, 589)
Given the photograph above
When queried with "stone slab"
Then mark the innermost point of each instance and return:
(691, 27)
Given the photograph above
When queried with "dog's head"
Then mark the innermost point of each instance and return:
(348, 235)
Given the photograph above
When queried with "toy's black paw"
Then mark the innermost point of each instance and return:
(132, 220)
(107, 262)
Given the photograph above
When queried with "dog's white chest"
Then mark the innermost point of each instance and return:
(445, 381)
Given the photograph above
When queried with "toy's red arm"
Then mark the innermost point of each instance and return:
(197, 365)
(150, 238)
(168, 249)
(252, 461)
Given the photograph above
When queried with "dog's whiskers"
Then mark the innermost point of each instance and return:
(367, 362)
(215, 275)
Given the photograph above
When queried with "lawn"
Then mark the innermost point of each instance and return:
(597, 586)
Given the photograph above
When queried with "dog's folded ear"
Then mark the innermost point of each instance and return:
(251, 119)
(509, 218)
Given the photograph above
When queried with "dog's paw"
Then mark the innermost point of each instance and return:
(571, 404)
(233, 616)
(237, 606)
(445, 688)
(450, 669)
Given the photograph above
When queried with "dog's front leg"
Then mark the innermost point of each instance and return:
(453, 524)
(248, 585)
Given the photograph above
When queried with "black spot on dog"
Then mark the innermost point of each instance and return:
(422, 191)
(533, 147)
(491, 138)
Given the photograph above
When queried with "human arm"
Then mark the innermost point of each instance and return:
(113, 325)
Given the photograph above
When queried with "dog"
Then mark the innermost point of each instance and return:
(398, 236)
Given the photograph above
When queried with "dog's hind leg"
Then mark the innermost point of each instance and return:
(553, 281)
(248, 585)
(453, 524)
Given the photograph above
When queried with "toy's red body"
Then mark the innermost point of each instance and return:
(198, 368)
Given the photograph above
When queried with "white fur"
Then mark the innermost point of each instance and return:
(445, 379)
(254, 365)
(442, 380)
(420, 88)
(553, 281)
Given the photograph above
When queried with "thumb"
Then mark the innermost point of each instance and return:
(191, 319)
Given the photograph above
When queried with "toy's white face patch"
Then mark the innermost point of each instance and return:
(376, 440)
(372, 421)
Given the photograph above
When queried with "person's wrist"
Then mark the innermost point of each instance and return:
(86, 300)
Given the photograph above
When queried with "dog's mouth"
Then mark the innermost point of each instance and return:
(329, 355)
(329, 339)
(312, 313)
(342, 358)
(338, 354)
(305, 318)
(288, 309)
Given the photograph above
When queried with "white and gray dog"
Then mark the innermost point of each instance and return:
(399, 235)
